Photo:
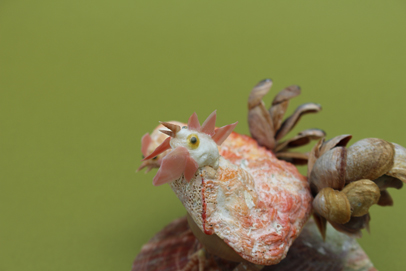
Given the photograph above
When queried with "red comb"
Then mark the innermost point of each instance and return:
(193, 123)
(209, 124)
(222, 133)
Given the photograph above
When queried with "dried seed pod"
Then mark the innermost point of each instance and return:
(280, 104)
(361, 194)
(369, 158)
(399, 167)
(333, 205)
(354, 226)
(385, 199)
(386, 181)
(313, 156)
(338, 141)
(290, 122)
(329, 169)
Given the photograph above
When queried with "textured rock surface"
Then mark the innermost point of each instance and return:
(170, 249)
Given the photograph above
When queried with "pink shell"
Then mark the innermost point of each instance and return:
(256, 203)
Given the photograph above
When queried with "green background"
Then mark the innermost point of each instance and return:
(81, 81)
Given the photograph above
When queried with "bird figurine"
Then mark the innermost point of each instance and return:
(246, 202)
(241, 193)
(243, 203)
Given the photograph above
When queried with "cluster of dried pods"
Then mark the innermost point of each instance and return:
(268, 128)
(346, 182)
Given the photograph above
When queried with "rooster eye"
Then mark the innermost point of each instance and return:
(193, 141)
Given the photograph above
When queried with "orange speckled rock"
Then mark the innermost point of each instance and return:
(256, 203)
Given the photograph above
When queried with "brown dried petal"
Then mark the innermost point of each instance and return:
(369, 158)
(385, 199)
(261, 126)
(361, 194)
(321, 223)
(277, 112)
(301, 139)
(354, 226)
(174, 128)
(296, 158)
(329, 169)
(259, 91)
(280, 104)
(332, 205)
(296, 141)
(313, 156)
(386, 181)
(338, 141)
(290, 122)
(286, 94)
(399, 167)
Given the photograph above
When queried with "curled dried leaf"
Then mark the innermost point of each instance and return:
(369, 158)
(295, 158)
(338, 141)
(354, 226)
(280, 104)
(329, 169)
(361, 194)
(399, 167)
(386, 181)
(385, 199)
(301, 139)
(286, 94)
(259, 91)
(332, 205)
(290, 122)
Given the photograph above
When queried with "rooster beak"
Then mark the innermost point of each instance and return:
(172, 127)
(147, 165)
(143, 164)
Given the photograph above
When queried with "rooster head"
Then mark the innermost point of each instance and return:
(192, 147)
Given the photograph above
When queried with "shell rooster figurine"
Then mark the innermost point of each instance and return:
(247, 203)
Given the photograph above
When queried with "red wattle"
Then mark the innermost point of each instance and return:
(172, 167)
